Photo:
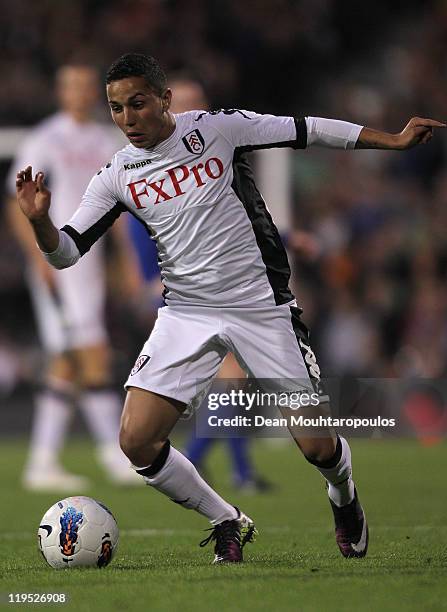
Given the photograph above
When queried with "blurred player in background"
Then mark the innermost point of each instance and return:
(69, 304)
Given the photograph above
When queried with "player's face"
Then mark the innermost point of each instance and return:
(139, 112)
(78, 90)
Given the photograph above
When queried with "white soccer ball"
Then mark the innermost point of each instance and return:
(78, 531)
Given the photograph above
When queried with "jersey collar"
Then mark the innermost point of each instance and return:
(162, 147)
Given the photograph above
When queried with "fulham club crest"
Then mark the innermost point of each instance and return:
(194, 142)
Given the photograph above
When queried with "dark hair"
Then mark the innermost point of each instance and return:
(137, 64)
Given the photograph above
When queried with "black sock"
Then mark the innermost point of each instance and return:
(158, 462)
(332, 462)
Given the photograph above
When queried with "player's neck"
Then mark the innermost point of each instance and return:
(168, 128)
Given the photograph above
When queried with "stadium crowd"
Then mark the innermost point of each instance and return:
(367, 245)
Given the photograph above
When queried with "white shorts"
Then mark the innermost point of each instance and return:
(187, 346)
(72, 315)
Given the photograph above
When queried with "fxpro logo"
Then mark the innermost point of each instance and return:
(178, 181)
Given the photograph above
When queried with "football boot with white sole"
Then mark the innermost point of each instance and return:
(230, 538)
(351, 528)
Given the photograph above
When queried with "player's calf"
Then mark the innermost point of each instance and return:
(146, 423)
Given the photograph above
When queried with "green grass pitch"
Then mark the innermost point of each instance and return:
(294, 564)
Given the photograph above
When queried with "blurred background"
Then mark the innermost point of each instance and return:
(365, 230)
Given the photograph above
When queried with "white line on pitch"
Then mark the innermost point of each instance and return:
(138, 533)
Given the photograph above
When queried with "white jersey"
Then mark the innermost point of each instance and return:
(68, 152)
(195, 193)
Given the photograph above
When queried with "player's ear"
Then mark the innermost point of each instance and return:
(166, 99)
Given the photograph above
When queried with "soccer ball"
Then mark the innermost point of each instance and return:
(78, 531)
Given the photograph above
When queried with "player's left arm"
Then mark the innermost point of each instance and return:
(417, 131)
(250, 131)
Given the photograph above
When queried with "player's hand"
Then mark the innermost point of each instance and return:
(32, 195)
(417, 131)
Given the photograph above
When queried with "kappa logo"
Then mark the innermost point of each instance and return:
(108, 165)
(224, 111)
(311, 360)
(140, 363)
(136, 165)
(194, 142)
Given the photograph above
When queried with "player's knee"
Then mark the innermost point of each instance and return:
(132, 445)
(318, 450)
(93, 366)
(140, 450)
(61, 368)
(94, 377)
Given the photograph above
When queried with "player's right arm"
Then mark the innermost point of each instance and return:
(34, 200)
(97, 212)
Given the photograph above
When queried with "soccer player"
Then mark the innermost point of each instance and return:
(225, 271)
(189, 94)
(70, 145)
